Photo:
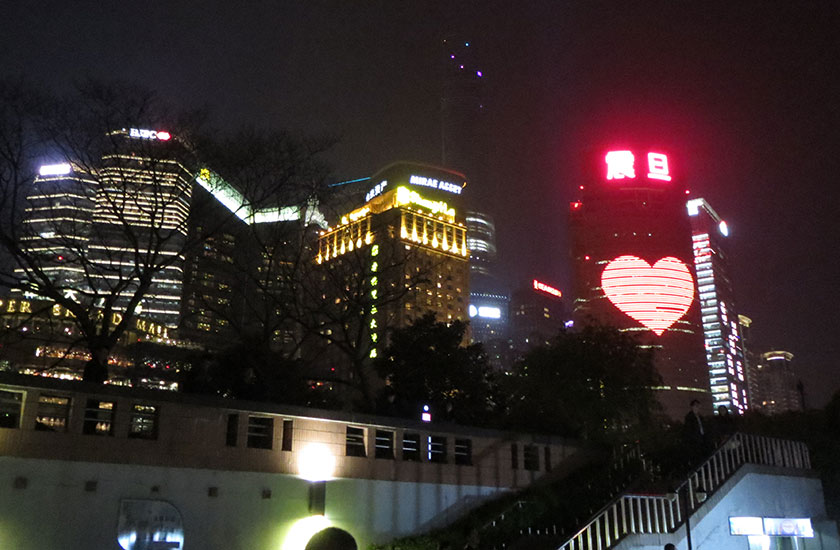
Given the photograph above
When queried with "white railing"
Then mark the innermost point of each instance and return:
(629, 514)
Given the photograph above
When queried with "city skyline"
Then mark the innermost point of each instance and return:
(737, 96)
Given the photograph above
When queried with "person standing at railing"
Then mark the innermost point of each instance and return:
(695, 434)
(724, 424)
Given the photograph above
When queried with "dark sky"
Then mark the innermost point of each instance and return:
(744, 96)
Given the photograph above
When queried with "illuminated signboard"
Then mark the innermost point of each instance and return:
(773, 527)
(55, 169)
(149, 524)
(748, 526)
(487, 312)
(542, 287)
(423, 181)
(405, 196)
(355, 215)
(140, 133)
(16, 306)
(656, 296)
(788, 527)
(622, 165)
(377, 190)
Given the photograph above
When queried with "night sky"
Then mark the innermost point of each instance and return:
(744, 97)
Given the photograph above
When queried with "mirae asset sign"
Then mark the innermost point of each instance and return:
(436, 184)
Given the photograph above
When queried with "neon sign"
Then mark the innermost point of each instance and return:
(542, 287)
(55, 169)
(658, 167)
(140, 133)
(656, 296)
(622, 165)
(487, 312)
(436, 184)
(377, 190)
(404, 196)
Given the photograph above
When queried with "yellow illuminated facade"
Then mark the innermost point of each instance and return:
(414, 260)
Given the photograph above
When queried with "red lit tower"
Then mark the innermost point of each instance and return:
(632, 257)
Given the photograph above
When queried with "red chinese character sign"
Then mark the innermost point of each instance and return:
(622, 165)
(656, 296)
(658, 167)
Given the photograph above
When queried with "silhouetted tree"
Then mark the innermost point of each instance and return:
(585, 384)
(137, 193)
(428, 363)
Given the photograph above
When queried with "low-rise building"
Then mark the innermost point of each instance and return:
(214, 473)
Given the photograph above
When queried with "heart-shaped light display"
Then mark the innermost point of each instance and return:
(656, 296)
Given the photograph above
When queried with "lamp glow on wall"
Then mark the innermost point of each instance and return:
(316, 464)
(304, 529)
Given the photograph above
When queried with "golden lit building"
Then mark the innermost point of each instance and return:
(395, 259)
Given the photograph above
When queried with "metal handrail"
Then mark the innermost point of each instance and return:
(630, 514)
(621, 457)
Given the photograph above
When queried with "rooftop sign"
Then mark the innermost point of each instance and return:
(423, 181)
(405, 196)
(55, 169)
(139, 133)
(622, 165)
(542, 287)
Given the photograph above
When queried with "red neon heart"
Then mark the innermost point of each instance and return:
(654, 296)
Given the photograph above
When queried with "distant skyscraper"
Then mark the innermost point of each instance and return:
(631, 252)
(462, 109)
(537, 315)
(141, 212)
(750, 358)
(57, 223)
(776, 384)
(481, 241)
(489, 299)
(724, 346)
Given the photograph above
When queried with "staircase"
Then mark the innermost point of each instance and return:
(542, 514)
(631, 513)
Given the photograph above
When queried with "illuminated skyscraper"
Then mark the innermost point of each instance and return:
(776, 384)
(721, 330)
(481, 241)
(462, 110)
(141, 213)
(57, 224)
(489, 300)
(401, 255)
(750, 358)
(631, 251)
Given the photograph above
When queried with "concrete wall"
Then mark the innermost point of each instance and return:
(56, 511)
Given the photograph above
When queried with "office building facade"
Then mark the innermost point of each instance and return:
(402, 255)
(489, 298)
(777, 388)
(537, 315)
(139, 222)
(57, 224)
(632, 258)
(725, 357)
